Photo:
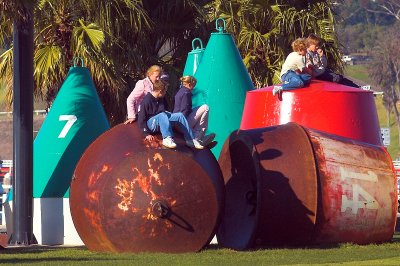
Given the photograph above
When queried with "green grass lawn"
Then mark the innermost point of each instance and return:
(345, 254)
(359, 72)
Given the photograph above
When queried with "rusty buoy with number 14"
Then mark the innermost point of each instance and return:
(290, 185)
(128, 197)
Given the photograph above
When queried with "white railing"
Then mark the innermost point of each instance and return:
(36, 112)
(6, 163)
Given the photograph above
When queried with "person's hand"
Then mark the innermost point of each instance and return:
(307, 70)
(320, 52)
(150, 138)
(129, 121)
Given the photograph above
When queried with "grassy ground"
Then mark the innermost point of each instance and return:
(346, 254)
(359, 72)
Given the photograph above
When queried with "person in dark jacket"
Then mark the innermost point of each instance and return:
(154, 118)
(198, 116)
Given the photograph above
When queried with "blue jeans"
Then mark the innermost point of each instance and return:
(163, 122)
(294, 80)
(331, 76)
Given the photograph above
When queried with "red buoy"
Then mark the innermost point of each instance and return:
(329, 107)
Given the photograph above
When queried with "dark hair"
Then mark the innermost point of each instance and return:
(159, 85)
(313, 39)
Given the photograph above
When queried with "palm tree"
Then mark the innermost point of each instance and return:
(119, 39)
(264, 31)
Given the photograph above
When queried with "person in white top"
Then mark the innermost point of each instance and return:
(294, 73)
(142, 87)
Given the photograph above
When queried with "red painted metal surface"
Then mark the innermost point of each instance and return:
(358, 196)
(288, 185)
(3, 240)
(129, 197)
(330, 107)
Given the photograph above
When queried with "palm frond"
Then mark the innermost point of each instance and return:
(6, 75)
(87, 36)
(48, 68)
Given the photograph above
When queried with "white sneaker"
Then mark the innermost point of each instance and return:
(276, 90)
(206, 140)
(194, 144)
(169, 143)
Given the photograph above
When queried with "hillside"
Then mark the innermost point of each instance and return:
(359, 72)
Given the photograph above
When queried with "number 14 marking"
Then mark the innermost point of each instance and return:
(369, 202)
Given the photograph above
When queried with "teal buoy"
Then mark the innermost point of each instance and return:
(222, 83)
(194, 58)
(75, 119)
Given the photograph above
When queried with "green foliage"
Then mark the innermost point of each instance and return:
(264, 31)
(118, 39)
(360, 24)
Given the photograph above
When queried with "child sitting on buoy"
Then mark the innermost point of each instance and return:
(153, 118)
(196, 117)
(316, 59)
(294, 73)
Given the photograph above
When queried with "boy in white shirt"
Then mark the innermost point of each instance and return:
(294, 73)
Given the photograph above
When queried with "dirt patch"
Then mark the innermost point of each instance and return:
(6, 134)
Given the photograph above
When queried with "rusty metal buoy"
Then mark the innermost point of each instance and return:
(129, 197)
(289, 185)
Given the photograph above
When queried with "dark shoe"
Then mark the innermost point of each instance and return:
(206, 140)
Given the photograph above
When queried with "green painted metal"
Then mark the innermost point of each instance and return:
(194, 58)
(222, 83)
(75, 119)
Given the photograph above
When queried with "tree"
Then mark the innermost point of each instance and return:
(387, 7)
(118, 39)
(264, 31)
(385, 69)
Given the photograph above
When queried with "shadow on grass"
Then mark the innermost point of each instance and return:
(36, 249)
(395, 239)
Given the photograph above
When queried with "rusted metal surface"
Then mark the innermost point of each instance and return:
(131, 196)
(287, 185)
(271, 188)
(358, 191)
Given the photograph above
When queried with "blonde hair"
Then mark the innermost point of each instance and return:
(159, 85)
(188, 80)
(152, 69)
(313, 39)
(299, 44)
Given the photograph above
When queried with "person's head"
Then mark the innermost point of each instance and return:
(188, 81)
(313, 42)
(154, 73)
(299, 46)
(159, 89)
